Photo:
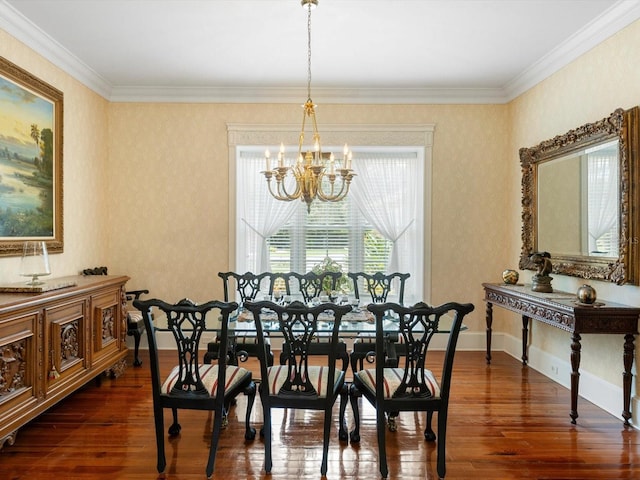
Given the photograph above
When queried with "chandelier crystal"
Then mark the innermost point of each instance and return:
(316, 173)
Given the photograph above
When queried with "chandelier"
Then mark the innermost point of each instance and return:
(316, 173)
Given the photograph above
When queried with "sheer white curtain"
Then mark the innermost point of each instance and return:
(603, 198)
(261, 214)
(385, 191)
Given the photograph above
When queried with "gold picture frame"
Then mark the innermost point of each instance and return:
(31, 133)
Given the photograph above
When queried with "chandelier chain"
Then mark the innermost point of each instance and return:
(315, 175)
(309, 51)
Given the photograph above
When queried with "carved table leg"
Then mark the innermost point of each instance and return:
(489, 320)
(627, 358)
(575, 375)
(525, 339)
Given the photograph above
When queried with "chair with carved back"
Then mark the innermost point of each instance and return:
(312, 285)
(295, 384)
(378, 286)
(246, 287)
(191, 384)
(135, 324)
(309, 287)
(411, 385)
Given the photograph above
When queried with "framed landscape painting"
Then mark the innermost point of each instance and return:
(30, 161)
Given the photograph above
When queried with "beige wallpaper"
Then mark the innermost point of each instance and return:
(85, 154)
(169, 175)
(587, 90)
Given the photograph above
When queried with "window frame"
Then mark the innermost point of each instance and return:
(378, 136)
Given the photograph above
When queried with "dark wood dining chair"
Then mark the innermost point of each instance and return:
(296, 384)
(379, 285)
(377, 288)
(247, 286)
(310, 286)
(410, 386)
(191, 384)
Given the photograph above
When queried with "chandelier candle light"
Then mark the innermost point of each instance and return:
(314, 172)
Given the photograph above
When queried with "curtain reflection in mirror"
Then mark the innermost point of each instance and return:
(603, 198)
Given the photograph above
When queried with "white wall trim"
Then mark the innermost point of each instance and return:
(592, 388)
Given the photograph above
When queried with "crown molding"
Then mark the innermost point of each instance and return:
(617, 17)
(320, 95)
(620, 15)
(23, 29)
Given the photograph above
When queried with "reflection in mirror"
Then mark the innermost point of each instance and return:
(578, 202)
(581, 200)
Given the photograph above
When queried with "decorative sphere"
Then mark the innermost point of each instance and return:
(586, 294)
(510, 277)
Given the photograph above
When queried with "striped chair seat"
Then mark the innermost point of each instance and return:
(209, 376)
(318, 376)
(392, 379)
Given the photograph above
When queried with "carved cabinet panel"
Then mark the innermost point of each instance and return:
(107, 323)
(66, 336)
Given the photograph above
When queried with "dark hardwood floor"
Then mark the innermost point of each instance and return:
(505, 422)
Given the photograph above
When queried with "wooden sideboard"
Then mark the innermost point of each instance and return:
(562, 310)
(54, 342)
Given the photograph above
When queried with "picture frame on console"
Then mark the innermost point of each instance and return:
(31, 133)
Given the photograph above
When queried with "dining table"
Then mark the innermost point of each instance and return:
(358, 323)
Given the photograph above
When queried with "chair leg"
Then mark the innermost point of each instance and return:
(268, 463)
(175, 427)
(136, 334)
(382, 449)
(158, 417)
(218, 420)
(442, 439)
(250, 392)
(342, 424)
(353, 360)
(429, 434)
(354, 394)
(325, 441)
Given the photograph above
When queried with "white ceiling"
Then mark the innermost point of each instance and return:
(381, 51)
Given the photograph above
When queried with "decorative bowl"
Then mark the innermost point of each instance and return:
(510, 277)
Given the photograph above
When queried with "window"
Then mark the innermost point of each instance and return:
(401, 213)
(335, 230)
(377, 227)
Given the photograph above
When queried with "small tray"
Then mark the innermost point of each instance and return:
(45, 287)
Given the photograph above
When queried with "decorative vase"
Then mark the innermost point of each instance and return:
(586, 294)
(510, 277)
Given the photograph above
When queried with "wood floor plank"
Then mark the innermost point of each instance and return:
(505, 422)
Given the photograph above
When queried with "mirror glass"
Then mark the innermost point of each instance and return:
(580, 200)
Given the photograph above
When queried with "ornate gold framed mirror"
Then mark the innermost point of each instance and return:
(581, 200)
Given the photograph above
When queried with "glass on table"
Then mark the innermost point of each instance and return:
(355, 303)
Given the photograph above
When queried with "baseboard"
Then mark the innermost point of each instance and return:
(592, 388)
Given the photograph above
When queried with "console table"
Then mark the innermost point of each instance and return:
(562, 310)
(53, 342)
